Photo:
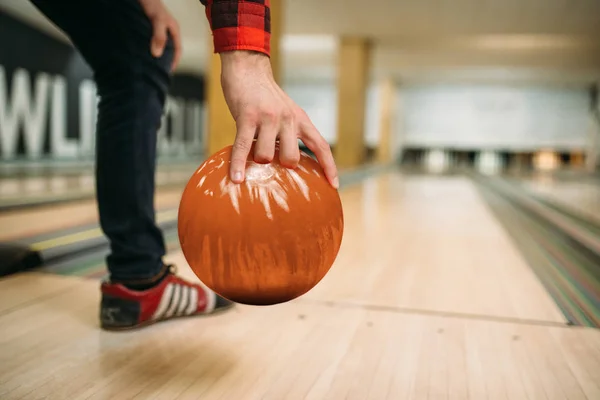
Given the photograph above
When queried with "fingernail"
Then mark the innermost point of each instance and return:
(336, 183)
(237, 177)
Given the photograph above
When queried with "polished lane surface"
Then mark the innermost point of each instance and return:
(428, 299)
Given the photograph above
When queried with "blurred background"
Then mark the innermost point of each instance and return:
(497, 87)
(461, 123)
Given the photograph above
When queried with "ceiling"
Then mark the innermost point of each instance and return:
(506, 41)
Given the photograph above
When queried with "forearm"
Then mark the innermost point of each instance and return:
(239, 25)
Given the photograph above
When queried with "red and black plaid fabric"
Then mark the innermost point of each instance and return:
(240, 24)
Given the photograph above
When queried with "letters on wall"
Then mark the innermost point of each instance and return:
(48, 101)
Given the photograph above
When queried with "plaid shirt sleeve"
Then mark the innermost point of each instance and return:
(240, 24)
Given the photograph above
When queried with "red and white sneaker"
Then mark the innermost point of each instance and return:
(122, 308)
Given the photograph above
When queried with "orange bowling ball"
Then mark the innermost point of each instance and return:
(267, 240)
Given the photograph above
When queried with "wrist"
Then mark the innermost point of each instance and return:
(239, 64)
(245, 59)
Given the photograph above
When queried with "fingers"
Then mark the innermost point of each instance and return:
(264, 150)
(159, 37)
(161, 28)
(241, 149)
(314, 141)
(289, 152)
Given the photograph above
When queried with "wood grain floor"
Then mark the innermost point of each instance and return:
(582, 198)
(431, 244)
(18, 189)
(18, 224)
(428, 300)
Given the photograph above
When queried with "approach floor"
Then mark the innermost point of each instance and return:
(429, 298)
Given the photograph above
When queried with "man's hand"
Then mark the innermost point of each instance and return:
(261, 109)
(162, 24)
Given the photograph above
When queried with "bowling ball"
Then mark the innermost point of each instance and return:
(265, 241)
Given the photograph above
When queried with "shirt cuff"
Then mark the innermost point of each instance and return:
(240, 25)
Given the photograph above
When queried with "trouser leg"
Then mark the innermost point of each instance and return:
(114, 38)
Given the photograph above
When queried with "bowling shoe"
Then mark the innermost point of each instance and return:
(174, 297)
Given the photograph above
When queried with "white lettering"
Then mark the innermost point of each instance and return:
(18, 109)
(88, 116)
(60, 146)
(31, 105)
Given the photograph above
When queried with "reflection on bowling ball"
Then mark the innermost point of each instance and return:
(265, 241)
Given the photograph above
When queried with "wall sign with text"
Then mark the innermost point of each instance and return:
(48, 101)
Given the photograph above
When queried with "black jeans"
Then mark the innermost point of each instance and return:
(114, 38)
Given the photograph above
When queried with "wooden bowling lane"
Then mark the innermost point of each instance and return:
(21, 290)
(32, 190)
(299, 350)
(579, 196)
(18, 224)
(428, 299)
(429, 244)
(36, 184)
